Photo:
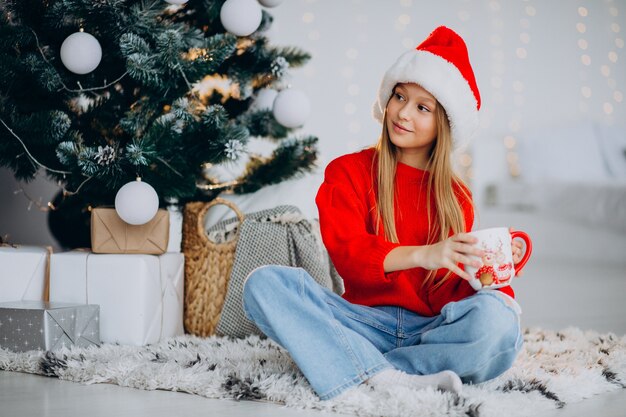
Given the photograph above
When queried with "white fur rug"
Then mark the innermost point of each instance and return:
(555, 369)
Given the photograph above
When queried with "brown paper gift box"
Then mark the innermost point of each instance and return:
(110, 234)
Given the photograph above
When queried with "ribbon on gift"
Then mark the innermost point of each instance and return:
(46, 285)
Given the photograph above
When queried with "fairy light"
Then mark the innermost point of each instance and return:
(308, 17)
(615, 96)
(464, 159)
(404, 19)
(352, 56)
(515, 123)
(216, 82)
(585, 58)
(32, 202)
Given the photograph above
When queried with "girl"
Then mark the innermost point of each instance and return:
(394, 220)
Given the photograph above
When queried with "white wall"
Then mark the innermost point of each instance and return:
(354, 41)
(527, 57)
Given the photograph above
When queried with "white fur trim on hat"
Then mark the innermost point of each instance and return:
(440, 78)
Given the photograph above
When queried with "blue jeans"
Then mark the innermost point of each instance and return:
(338, 345)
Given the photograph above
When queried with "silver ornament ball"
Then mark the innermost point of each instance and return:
(291, 108)
(136, 202)
(81, 53)
(241, 17)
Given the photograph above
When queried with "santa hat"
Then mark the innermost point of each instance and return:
(441, 65)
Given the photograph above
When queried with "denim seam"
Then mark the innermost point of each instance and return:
(347, 348)
(357, 380)
(302, 279)
(360, 319)
(400, 329)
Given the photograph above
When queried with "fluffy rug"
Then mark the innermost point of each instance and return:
(555, 369)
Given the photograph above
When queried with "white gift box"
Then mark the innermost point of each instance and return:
(140, 296)
(23, 273)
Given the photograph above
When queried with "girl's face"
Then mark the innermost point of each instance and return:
(411, 122)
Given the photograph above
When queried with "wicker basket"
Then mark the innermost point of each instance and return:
(207, 269)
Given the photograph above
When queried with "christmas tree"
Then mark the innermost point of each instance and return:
(95, 93)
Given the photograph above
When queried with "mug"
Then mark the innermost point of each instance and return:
(498, 269)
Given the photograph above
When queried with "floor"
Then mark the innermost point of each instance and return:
(555, 291)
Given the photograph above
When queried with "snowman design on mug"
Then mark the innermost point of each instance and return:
(494, 269)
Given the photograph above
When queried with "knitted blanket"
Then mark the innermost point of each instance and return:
(278, 236)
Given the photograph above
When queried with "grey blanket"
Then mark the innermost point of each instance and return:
(279, 236)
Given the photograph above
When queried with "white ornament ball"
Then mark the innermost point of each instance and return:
(241, 17)
(291, 108)
(270, 3)
(177, 1)
(81, 53)
(264, 99)
(136, 202)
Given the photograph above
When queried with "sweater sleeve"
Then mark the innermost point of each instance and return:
(356, 252)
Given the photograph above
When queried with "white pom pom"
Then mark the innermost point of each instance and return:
(291, 108)
(81, 53)
(136, 202)
(270, 3)
(241, 17)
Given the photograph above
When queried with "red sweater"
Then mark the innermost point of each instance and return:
(346, 203)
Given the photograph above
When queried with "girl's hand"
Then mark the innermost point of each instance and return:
(518, 251)
(457, 249)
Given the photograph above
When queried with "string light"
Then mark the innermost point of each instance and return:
(463, 160)
(515, 124)
(308, 17)
(585, 59)
(608, 107)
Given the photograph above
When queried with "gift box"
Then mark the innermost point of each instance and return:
(111, 234)
(40, 325)
(23, 273)
(140, 296)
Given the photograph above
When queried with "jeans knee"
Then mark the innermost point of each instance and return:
(259, 280)
(266, 282)
(493, 322)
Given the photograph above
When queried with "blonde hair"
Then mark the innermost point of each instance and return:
(448, 216)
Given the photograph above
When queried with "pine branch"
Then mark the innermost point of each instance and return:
(138, 111)
(291, 159)
(47, 126)
(263, 124)
(295, 56)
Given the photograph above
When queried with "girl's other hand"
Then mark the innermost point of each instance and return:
(518, 251)
(457, 249)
